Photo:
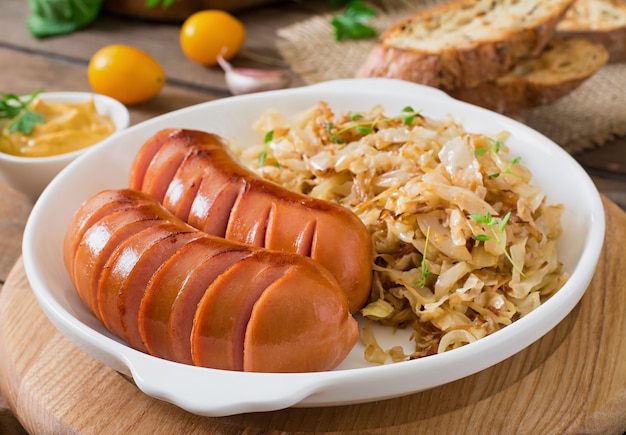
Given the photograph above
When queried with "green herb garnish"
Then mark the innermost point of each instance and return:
(352, 23)
(367, 127)
(163, 3)
(496, 228)
(58, 17)
(16, 107)
(425, 269)
(496, 146)
(269, 136)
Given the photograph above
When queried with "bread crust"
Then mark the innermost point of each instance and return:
(563, 66)
(487, 42)
(600, 21)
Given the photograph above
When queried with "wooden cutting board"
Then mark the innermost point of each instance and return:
(573, 380)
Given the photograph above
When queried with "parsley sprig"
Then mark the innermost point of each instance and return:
(352, 23)
(16, 107)
(496, 228)
(367, 126)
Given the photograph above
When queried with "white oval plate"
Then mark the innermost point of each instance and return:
(216, 392)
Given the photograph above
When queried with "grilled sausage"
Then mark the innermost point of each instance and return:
(195, 177)
(178, 293)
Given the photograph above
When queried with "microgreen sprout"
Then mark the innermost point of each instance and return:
(269, 136)
(496, 146)
(425, 269)
(366, 127)
(496, 228)
(16, 107)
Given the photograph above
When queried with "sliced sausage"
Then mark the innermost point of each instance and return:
(222, 317)
(92, 210)
(95, 209)
(315, 340)
(153, 170)
(97, 245)
(178, 293)
(168, 288)
(189, 296)
(183, 188)
(234, 203)
(211, 207)
(127, 272)
(142, 161)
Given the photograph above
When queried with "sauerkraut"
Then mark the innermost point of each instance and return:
(464, 243)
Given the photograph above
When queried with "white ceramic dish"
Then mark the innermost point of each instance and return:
(31, 175)
(216, 392)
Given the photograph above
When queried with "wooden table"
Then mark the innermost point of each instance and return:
(60, 64)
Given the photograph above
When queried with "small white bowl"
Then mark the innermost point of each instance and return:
(31, 175)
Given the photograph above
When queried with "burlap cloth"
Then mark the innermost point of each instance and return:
(588, 117)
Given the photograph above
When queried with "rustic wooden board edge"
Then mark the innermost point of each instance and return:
(53, 386)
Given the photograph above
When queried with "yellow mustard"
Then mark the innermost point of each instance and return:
(67, 127)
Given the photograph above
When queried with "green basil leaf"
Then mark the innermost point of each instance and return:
(58, 17)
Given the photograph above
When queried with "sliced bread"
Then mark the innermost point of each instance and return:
(463, 43)
(563, 65)
(601, 21)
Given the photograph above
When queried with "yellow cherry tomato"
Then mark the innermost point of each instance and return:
(125, 73)
(206, 34)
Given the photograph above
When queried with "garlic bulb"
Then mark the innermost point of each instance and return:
(248, 80)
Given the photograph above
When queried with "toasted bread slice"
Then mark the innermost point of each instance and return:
(601, 21)
(463, 43)
(560, 68)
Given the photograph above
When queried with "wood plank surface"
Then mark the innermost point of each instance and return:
(160, 40)
(573, 380)
(14, 210)
(59, 64)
